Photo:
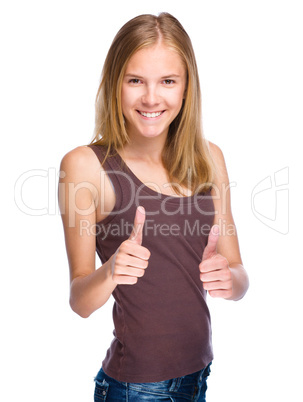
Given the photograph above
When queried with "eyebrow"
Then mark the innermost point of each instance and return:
(164, 77)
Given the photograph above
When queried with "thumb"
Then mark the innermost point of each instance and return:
(137, 232)
(211, 248)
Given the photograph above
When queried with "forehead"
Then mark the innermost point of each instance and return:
(154, 59)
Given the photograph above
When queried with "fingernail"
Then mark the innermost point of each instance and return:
(216, 229)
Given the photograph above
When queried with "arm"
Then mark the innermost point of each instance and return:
(222, 270)
(79, 194)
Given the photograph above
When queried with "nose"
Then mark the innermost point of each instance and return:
(150, 96)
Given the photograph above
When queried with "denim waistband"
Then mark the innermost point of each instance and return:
(188, 387)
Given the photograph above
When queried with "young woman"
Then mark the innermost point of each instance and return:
(151, 195)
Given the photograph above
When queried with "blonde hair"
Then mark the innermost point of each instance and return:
(186, 155)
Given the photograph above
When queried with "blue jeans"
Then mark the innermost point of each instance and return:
(191, 387)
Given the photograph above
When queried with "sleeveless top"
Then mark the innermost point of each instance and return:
(162, 323)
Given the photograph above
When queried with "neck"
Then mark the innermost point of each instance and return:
(145, 148)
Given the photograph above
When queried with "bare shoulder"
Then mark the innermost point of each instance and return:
(81, 172)
(80, 163)
(79, 156)
(216, 153)
(219, 162)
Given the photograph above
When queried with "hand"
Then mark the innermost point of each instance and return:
(215, 272)
(131, 259)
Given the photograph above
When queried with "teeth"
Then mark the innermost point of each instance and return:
(150, 114)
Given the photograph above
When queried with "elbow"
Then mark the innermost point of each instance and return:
(79, 308)
(240, 282)
(78, 302)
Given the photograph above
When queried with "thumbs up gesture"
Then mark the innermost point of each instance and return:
(131, 259)
(214, 269)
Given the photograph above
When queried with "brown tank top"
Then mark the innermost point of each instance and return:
(162, 323)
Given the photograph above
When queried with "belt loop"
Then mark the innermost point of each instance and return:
(201, 375)
(175, 385)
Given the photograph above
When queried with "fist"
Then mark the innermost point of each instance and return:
(214, 269)
(131, 259)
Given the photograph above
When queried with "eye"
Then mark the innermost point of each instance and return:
(134, 81)
(168, 82)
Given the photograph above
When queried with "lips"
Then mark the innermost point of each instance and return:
(150, 114)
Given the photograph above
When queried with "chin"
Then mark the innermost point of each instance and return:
(154, 131)
(152, 135)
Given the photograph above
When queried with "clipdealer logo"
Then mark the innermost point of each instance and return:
(270, 201)
(269, 197)
(152, 228)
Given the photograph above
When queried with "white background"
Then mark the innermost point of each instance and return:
(249, 55)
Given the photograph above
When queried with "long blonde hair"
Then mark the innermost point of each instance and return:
(186, 155)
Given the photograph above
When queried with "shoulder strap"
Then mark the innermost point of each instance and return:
(122, 183)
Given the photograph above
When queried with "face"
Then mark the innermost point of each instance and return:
(152, 91)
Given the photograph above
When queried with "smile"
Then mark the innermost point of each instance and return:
(150, 115)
